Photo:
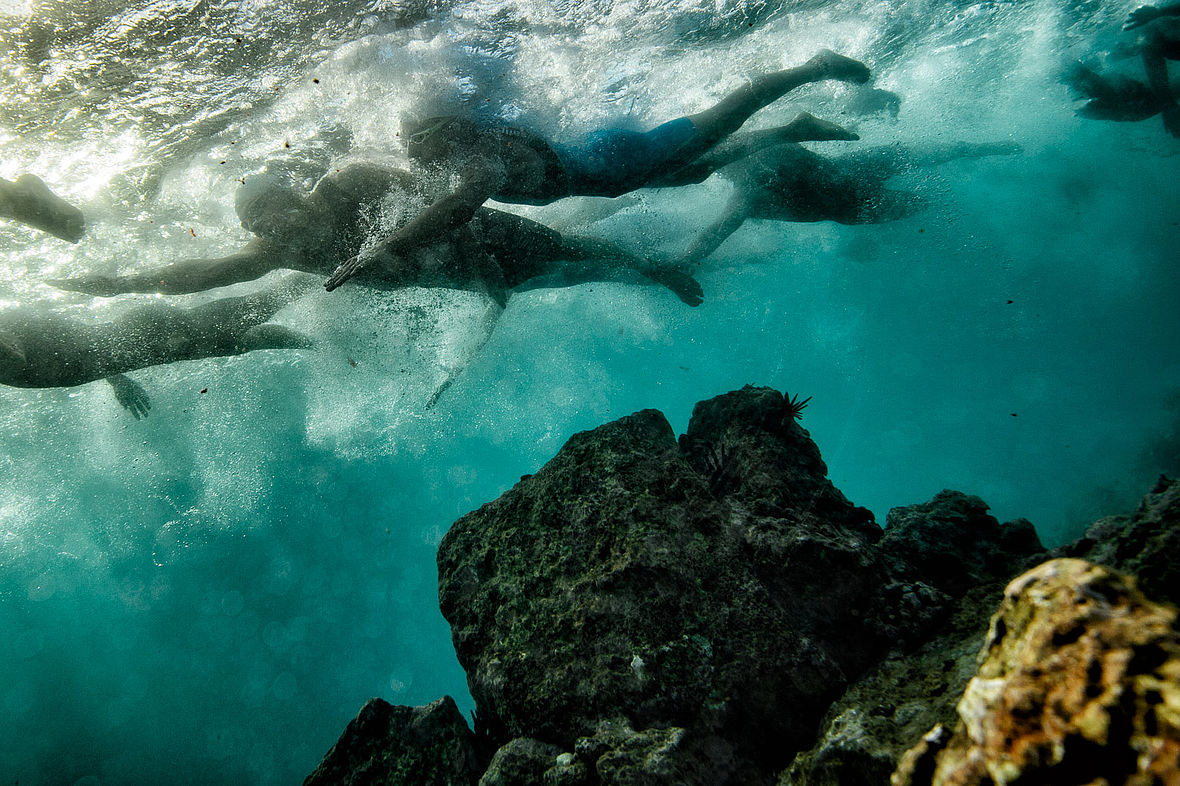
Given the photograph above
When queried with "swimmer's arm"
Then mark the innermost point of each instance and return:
(445, 214)
(130, 395)
(184, 276)
(736, 212)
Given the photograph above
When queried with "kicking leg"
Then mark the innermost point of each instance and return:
(806, 127)
(733, 110)
(1162, 44)
(30, 201)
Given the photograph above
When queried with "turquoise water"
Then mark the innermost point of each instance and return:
(208, 595)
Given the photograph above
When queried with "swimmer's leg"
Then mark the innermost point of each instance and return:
(1161, 43)
(732, 111)
(231, 326)
(806, 127)
(30, 201)
(601, 260)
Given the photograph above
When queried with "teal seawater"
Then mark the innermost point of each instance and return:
(208, 595)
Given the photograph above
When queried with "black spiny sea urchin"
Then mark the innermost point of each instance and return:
(795, 407)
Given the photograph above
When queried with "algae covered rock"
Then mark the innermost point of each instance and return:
(705, 585)
(954, 543)
(1079, 682)
(401, 746)
(1144, 543)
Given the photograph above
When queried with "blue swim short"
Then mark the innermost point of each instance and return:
(614, 161)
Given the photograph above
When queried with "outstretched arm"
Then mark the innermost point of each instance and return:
(448, 213)
(185, 276)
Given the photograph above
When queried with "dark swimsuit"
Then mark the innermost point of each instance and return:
(614, 161)
(608, 162)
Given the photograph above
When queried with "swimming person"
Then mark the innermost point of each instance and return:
(1161, 43)
(29, 201)
(790, 183)
(494, 253)
(1112, 96)
(515, 166)
(47, 350)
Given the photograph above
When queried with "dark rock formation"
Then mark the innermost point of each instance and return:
(954, 544)
(1079, 683)
(689, 590)
(1144, 544)
(401, 746)
(712, 610)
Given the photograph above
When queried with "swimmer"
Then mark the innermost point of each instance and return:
(1112, 96)
(511, 165)
(494, 253)
(791, 183)
(45, 350)
(29, 201)
(1161, 43)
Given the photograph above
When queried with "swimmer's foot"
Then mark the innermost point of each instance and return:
(34, 204)
(806, 127)
(834, 66)
(687, 288)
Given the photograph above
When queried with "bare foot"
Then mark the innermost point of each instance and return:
(836, 66)
(808, 127)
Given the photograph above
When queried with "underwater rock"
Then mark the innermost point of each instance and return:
(712, 610)
(704, 585)
(954, 544)
(1079, 682)
(1144, 544)
(522, 762)
(402, 746)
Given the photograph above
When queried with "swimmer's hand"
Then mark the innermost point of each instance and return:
(130, 395)
(1141, 16)
(347, 270)
(687, 288)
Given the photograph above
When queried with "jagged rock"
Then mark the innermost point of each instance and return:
(401, 746)
(704, 586)
(521, 762)
(1079, 682)
(952, 543)
(867, 729)
(647, 611)
(955, 544)
(1144, 544)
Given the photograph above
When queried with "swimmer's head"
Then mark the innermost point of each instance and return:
(431, 139)
(270, 208)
